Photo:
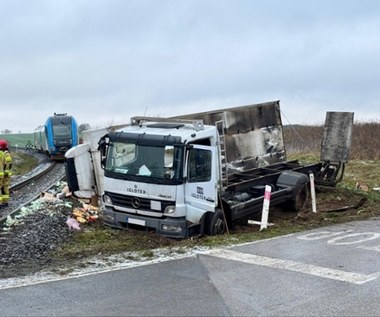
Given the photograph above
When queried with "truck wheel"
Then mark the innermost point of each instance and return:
(217, 225)
(300, 197)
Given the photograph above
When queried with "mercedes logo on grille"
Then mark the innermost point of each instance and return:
(136, 202)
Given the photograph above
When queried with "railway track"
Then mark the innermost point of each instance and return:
(27, 181)
(29, 187)
(28, 234)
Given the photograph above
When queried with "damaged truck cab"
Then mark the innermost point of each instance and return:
(160, 175)
(201, 173)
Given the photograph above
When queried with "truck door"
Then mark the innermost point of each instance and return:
(201, 185)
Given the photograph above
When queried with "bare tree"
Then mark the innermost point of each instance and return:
(6, 131)
(82, 127)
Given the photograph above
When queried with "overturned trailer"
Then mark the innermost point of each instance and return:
(200, 172)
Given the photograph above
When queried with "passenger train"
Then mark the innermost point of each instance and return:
(56, 136)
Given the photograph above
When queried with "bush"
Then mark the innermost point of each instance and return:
(365, 142)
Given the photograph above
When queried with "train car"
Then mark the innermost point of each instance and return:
(40, 140)
(56, 136)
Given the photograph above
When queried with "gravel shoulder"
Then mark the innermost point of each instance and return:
(26, 239)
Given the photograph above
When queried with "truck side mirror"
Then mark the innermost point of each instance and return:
(103, 151)
(169, 156)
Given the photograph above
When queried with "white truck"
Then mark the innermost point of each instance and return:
(202, 172)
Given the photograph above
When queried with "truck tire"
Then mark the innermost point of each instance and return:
(301, 195)
(217, 225)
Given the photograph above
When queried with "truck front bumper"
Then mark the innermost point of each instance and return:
(168, 227)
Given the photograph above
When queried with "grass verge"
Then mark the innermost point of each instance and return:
(95, 238)
(23, 163)
(331, 203)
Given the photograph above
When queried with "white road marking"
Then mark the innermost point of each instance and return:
(339, 275)
(371, 236)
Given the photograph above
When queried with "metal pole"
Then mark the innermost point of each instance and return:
(312, 190)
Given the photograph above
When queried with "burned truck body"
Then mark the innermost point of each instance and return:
(198, 173)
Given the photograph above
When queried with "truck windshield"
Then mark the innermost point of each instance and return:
(131, 160)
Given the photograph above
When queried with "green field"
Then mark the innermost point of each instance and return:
(19, 139)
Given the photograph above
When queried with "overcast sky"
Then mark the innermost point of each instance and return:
(103, 61)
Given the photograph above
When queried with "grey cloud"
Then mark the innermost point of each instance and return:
(119, 57)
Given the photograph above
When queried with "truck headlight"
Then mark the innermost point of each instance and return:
(107, 200)
(169, 209)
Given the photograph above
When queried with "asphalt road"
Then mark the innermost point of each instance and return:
(331, 271)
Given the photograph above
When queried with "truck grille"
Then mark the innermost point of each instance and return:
(144, 203)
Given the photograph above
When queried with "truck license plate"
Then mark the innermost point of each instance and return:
(136, 221)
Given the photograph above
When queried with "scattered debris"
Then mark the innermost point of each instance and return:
(29, 236)
(362, 187)
(86, 214)
(48, 197)
(54, 197)
(37, 228)
(254, 222)
(64, 193)
(359, 204)
(72, 223)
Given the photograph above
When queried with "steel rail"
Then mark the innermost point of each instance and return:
(24, 183)
(29, 180)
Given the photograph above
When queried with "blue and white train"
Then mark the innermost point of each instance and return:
(56, 136)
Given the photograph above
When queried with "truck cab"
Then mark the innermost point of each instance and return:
(160, 175)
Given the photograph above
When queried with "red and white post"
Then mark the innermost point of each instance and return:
(265, 211)
(312, 191)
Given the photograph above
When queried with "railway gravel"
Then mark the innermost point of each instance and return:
(23, 247)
